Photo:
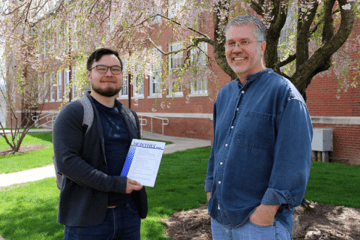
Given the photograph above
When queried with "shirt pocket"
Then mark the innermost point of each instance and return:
(256, 131)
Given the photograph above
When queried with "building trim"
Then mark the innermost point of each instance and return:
(336, 120)
(314, 119)
(177, 115)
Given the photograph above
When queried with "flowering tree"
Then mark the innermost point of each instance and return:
(304, 37)
(68, 30)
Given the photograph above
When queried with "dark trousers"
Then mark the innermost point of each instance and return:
(120, 223)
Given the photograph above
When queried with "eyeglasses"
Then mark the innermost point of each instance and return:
(242, 44)
(116, 70)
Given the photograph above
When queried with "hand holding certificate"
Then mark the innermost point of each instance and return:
(143, 161)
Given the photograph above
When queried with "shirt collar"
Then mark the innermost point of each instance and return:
(253, 77)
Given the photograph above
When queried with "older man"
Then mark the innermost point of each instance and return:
(261, 155)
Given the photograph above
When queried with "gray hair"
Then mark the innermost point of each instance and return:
(260, 30)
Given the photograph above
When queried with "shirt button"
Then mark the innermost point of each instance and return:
(226, 145)
(232, 127)
(237, 109)
(242, 92)
(221, 163)
(219, 207)
(219, 182)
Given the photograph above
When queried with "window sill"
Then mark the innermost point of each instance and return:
(198, 95)
(155, 95)
(176, 95)
(138, 96)
(123, 97)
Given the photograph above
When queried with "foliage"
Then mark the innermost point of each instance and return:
(65, 31)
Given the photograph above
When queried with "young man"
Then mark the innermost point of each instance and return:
(261, 154)
(95, 201)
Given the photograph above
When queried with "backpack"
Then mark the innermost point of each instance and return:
(88, 120)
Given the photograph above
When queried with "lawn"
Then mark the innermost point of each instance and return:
(28, 211)
(13, 163)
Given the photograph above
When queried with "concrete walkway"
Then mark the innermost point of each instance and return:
(35, 174)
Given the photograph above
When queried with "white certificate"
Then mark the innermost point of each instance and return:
(143, 161)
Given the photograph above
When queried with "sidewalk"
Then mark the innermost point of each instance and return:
(35, 174)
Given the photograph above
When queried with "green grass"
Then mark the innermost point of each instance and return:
(29, 211)
(334, 184)
(18, 162)
(31, 138)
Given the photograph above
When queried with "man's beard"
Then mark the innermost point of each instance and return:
(108, 92)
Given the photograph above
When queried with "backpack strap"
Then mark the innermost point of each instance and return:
(130, 113)
(88, 112)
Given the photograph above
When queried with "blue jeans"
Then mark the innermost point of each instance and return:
(122, 222)
(250, 231)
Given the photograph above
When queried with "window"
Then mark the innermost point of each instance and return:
(46, 87)
(66, 83)
(45, 49)
(155, 76)
(138, 86)
(199, 62)
(124, 90)
(175, 62)
(74, 85)
(39, 90)
(59, 86)
(156, 9)
(52, 89)
(175, 7)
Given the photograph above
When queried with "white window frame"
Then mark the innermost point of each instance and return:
(39, 89)
(139, 94)
(155, 76)
(200, 55)
(74, 84)
(175, 7)
(174, 58)
(59, 91)
(46, 87)
(66, 83)
(122, 94)
(156, 9)
(52, 90)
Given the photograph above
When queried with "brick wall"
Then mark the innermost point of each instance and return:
(321, 101)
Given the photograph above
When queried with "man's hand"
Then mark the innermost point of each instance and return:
(264, 215)
(132, 185)
(208, 195)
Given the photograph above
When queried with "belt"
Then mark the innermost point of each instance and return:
(115, 206)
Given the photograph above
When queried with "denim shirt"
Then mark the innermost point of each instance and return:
(261, 151)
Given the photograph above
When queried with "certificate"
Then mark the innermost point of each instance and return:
(143, 161)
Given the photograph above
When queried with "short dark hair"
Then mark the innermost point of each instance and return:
(260, 30)
(95, 56)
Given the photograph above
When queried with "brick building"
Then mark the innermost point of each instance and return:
(188, 112)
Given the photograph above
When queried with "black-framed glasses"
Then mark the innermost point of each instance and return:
(116, 70)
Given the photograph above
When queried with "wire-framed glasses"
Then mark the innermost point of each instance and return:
(241, 44)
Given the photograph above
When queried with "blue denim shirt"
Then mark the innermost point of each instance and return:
(261, 151)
